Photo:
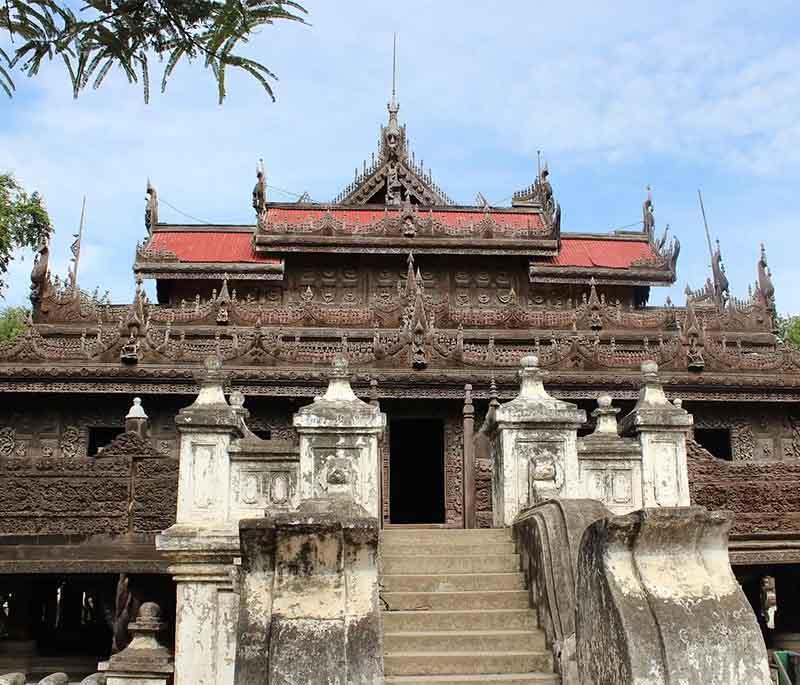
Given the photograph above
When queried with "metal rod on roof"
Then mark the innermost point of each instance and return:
(705, 223)
(394, 68)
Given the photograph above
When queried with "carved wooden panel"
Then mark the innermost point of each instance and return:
(384, 452)
(454, 471)
(757, 434)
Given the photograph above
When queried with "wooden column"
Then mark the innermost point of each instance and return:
(469, 459)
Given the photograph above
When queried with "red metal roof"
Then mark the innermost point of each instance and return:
(607, 254)
(303, 215)
(209, 246)
(226, 246)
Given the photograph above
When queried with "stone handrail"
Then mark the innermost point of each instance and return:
(548, 538)
(658, 603)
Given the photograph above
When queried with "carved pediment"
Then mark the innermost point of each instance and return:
(393, 177)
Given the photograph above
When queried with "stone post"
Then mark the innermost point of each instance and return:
(339, 436)
(144, 661)
(205, 538)
(661, 428)
(469, 458)
(536, 449)
(310, 611)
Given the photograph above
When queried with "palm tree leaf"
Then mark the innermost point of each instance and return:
(102, 73)
(172, 62)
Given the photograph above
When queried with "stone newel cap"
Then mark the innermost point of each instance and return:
(653, 409)
(534, 404)
(339, 406)
(606, 416)
(210, 408)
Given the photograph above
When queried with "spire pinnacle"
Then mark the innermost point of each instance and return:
(393, 104)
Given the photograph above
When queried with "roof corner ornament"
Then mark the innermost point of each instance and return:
(765, 290)
(151, 207)
(260, 193)
(765, 276)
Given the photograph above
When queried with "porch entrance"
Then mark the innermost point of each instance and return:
(416, 471)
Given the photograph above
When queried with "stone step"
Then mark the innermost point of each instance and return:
(443, 663)
(497, 678)
(491, 563)
(445, 536)
(482, 619)
(451, 582)
(455, 546)
(464, 641)
(483, 599)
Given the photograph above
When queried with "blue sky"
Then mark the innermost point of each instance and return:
(679, 95)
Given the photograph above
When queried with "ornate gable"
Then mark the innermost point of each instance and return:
(393, 177)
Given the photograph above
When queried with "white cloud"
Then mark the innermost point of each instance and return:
(686, 93)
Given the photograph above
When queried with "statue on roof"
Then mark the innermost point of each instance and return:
(151, 207)
(39, 272)
(648, 214)
(544, 189)
(260, 190)
(394, 189)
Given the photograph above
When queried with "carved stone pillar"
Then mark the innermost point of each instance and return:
(339, 436)
(536, 449)
(205, 537)
(661, 428)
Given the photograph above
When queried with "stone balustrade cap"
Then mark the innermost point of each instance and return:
(339, 407)
(534, 404)
(653, 410)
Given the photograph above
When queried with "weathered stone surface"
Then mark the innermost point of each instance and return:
(661, 427)
(548, 538)
(610, 465)
(536, 448)
(94, 679)
(205, 539)
(145, 661)
(339, 436)
(309, 609)
(12, 679)
(658, 603)
(55, 679)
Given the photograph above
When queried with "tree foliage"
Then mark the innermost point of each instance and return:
(789, 329)
(129, 33)
(12, 322)
(24, 221)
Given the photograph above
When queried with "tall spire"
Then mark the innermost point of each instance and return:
(394, 106)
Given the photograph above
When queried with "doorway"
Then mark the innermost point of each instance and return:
(416, 471)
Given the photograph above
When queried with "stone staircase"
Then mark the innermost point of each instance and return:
(456, 610)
